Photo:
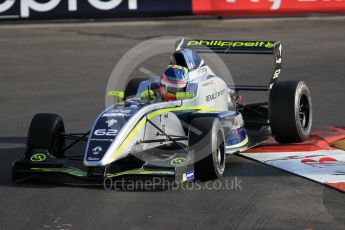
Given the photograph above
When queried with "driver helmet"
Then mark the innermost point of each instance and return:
(173, 80)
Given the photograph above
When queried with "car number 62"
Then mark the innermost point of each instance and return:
(104, 132)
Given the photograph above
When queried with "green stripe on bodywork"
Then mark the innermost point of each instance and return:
(152, 115)
(79, 173)
(70, 171)
(140, 172)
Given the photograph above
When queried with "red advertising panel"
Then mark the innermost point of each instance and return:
(266, 7)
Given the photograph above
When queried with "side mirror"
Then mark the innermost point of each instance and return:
(116, 94)
(184, 95)
(120, 95)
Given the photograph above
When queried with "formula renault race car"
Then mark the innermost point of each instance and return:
(142, 136)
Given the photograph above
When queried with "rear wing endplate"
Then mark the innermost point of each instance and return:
(238, 47)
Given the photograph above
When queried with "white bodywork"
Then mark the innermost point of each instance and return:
(212, 95)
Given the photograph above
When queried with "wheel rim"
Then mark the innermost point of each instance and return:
(220, 158)
(304, 112)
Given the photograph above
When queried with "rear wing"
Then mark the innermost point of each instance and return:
(238, 47)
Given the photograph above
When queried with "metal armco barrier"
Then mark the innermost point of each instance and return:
(266, 7)
(88, 9)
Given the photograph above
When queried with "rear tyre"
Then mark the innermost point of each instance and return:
(290, 111)
(133, 86)
(206, 139)
(45, 133)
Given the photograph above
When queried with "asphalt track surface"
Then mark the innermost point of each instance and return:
(64, 68)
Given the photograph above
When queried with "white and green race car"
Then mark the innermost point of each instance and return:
(189, 138)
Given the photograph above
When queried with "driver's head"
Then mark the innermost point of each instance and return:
(173, 80)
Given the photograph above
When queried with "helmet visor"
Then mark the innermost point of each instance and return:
(173, 89)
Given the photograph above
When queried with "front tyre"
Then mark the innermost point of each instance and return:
(206, 139)
(45, 132)
(290, 111)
